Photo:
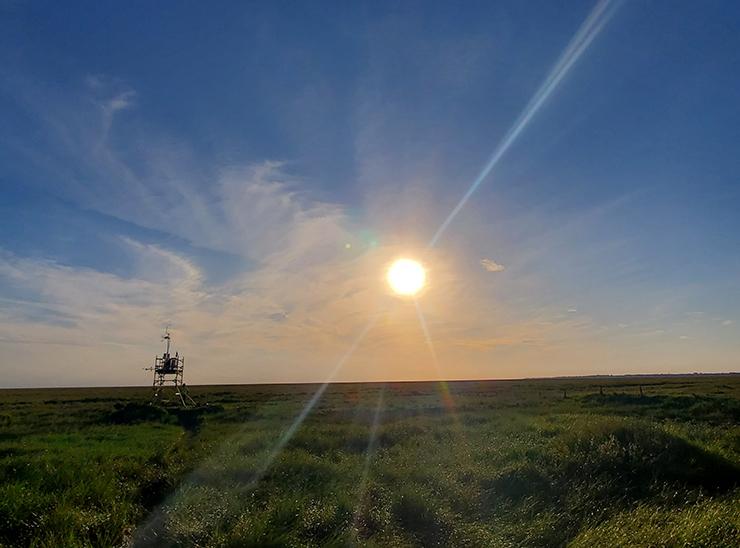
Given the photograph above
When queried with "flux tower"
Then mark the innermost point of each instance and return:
(168, 385)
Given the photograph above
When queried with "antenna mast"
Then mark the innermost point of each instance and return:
(167, 337)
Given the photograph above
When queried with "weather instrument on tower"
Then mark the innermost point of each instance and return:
(168, 385)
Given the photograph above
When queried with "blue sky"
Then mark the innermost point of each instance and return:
(245, 172)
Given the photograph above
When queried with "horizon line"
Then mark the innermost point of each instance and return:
(403, 381)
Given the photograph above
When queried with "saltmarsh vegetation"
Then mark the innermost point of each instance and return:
(409, 464)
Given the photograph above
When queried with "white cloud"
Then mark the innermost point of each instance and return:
(491, 266)
(303, 296)
(302, 290)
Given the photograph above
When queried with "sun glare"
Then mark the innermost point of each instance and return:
(406, 277)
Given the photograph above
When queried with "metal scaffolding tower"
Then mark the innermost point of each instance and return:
(168, 386)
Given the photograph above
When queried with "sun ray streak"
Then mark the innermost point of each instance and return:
(590, 28)
(369, 454)
(288, 434)
(447, 399)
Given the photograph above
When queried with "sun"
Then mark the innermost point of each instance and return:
(406, 277)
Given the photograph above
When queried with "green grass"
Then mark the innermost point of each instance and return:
(506, 463)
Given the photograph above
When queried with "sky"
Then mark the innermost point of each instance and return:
(246, 172)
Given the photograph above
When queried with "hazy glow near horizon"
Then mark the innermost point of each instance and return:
(261, 221)
(406, 277)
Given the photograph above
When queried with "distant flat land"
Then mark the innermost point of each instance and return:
(595, 461)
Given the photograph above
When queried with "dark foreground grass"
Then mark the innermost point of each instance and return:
(581, 462)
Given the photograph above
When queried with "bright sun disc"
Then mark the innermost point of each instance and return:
(406, 277)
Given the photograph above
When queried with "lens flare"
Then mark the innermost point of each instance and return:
(406, 277)
(589, 30)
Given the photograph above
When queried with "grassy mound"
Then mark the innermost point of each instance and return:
(591, 471)
(704, 525)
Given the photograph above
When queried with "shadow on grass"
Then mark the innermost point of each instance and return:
(593, 472)
(191, 419)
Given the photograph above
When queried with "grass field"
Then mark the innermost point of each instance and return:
(648, 461)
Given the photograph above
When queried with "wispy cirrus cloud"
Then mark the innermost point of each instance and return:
(300, 293)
